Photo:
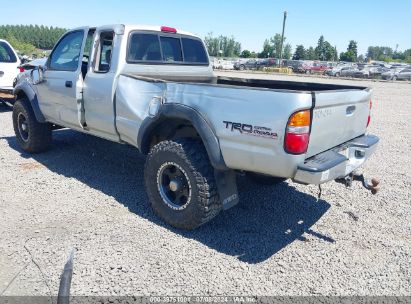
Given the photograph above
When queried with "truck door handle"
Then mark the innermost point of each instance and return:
(69, 84)
(350, 110)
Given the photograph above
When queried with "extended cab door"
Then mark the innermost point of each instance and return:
(60, 91)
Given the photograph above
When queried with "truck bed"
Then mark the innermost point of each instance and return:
(339, 114)
(285, 85)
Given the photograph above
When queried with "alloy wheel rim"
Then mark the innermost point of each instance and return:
(174, 186)
(23, 127)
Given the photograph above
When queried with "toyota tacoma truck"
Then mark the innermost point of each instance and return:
(153, 88)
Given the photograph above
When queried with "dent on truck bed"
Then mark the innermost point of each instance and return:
(135, 123)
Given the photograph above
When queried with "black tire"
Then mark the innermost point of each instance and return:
(193, 171)
(394, 78)
(262, 179)
(32, 136)
(242, 67)
(337, 74)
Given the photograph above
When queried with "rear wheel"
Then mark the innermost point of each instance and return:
(32, 136)
(180, 183)
(265, 179)
(337, 74)
(394, 78)
(242, 67)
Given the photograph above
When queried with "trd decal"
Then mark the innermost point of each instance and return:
(250, 129)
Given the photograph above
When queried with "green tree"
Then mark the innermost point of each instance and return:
(21, 47)
(361, 58)
(287, 51)
(325, 51)
(310, 54)
(379, 53)
(268, 49)
(272, 47)
(41, 37)
(351, 54)
(300, 53)
(228, 46)
(320, 49)
(352, 47)
(245, 54)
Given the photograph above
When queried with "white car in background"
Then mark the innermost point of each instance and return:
(223, 64)
(9, 66)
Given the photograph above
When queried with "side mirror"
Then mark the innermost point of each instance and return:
(37, 75)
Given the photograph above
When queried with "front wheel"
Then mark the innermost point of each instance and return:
(32, 136)
(180, 183)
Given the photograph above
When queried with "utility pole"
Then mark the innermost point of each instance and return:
(282, 37)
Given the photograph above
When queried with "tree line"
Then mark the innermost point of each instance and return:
(228, 47)
(28, 38)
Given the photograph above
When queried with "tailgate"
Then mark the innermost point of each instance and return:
(338, 117)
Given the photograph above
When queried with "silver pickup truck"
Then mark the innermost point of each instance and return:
(154, 88)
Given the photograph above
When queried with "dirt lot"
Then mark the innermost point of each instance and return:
(87, 193)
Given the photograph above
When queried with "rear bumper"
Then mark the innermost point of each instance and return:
(338, 162)
(8, 90)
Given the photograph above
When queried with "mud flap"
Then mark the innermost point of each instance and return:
(227, 188)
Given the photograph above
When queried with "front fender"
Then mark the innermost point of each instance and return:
(24, 89)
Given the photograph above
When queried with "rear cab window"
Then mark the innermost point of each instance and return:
(6, 53)
(159, 48)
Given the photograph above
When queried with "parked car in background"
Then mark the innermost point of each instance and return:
(317, 68)
(348, 71)
(294, 64)
(335, 71)
(314, 68)
(304, 66)
(364, 72)
(389, 75)
(9, 66)
(245, 65)
(223, 64)
(266, 63)
(404, 74)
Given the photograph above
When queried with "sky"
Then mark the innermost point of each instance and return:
(369, 22)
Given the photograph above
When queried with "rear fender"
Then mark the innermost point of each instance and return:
(179, 111)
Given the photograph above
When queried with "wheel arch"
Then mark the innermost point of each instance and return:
(174, 116)
(24, 90)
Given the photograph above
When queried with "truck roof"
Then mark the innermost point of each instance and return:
(156, 28)
(141, 27)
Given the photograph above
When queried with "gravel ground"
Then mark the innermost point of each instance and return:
(87, 193)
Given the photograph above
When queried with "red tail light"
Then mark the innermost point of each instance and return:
(297, 135)
(369, 115)
(21, 69)
(168, 29)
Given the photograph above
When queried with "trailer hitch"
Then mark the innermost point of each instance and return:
(369, 184)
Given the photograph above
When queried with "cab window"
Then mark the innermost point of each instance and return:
(104, 52)
(66, 55)
(144, 47)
